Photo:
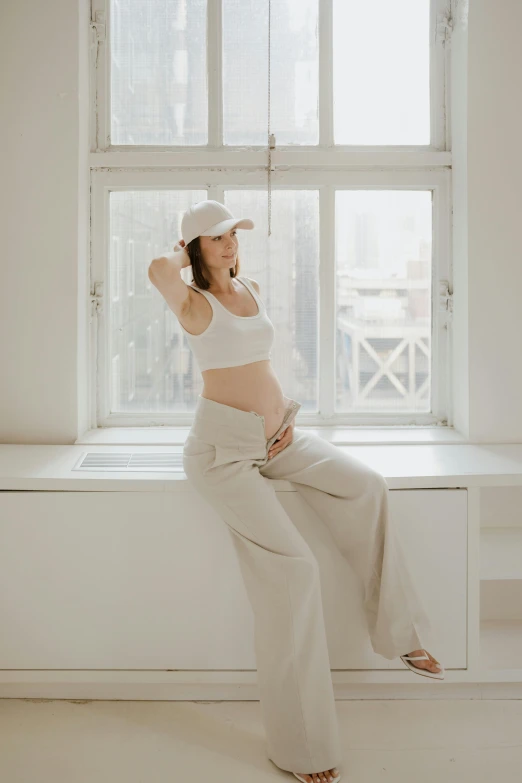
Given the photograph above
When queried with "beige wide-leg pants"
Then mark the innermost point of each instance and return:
(225, 457)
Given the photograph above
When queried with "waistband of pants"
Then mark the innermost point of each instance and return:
(213, 421)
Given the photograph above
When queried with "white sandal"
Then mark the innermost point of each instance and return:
(423, 672)
(335, 780)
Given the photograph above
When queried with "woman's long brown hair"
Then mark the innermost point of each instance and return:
(199, 267)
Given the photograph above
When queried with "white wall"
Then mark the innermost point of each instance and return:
(45, 192)
(495, 220)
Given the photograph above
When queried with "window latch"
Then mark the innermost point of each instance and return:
(96, 299)
(98, 28)
(446, 300)
(444, 28)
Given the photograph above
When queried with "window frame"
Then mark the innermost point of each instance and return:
(325, 167)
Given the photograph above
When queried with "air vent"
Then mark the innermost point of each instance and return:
(130, 461)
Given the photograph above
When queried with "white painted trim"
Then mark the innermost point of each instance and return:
(440, 64)
(338, 157)
(214, 73)
(326, 114)
(242, 685)
(327, 313)
(100, 95)
(298, 177)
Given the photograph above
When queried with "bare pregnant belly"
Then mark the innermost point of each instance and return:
(251, 387)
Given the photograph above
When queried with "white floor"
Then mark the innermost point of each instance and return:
(411, 741)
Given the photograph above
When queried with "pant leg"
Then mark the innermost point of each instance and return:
(282, 581)
(352, 500)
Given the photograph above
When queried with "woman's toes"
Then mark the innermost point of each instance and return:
(434, 665)
(320, 777)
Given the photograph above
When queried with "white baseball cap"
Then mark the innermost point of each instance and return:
(209, 219)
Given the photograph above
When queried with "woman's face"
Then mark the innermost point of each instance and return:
(220, 252)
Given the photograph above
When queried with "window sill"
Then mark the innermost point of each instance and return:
(342, 436)
(45, 468)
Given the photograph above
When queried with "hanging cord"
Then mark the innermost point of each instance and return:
(271, 137)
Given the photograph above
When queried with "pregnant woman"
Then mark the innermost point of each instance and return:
(244, 431)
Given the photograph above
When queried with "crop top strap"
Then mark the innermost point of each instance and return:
(248, 284)
(245, 280)
(195, 288)
(206, 294)
(253, 291)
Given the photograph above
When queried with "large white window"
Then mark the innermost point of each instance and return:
(356, 269)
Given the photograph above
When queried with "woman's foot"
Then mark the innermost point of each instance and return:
(432, 665)
(320, 777)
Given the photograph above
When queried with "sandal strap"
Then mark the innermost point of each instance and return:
(416, 657)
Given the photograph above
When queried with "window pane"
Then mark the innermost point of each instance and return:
(383, 289)
(293, 72)
(152, 367)
(158, 72)
(288, 275)
(381, 83)
(151, 364)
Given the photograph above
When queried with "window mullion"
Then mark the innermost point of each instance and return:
(327, 306)
(440, 47)
(215, 72)
(100, 74)
(442, 280)
(325, 74)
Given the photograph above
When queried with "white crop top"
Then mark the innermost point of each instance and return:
(232, 340)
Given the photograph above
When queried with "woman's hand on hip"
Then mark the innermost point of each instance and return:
(283, 441)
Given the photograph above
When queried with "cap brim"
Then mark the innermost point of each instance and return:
(221, 228)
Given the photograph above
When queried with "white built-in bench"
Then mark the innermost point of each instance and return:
(119, 581)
